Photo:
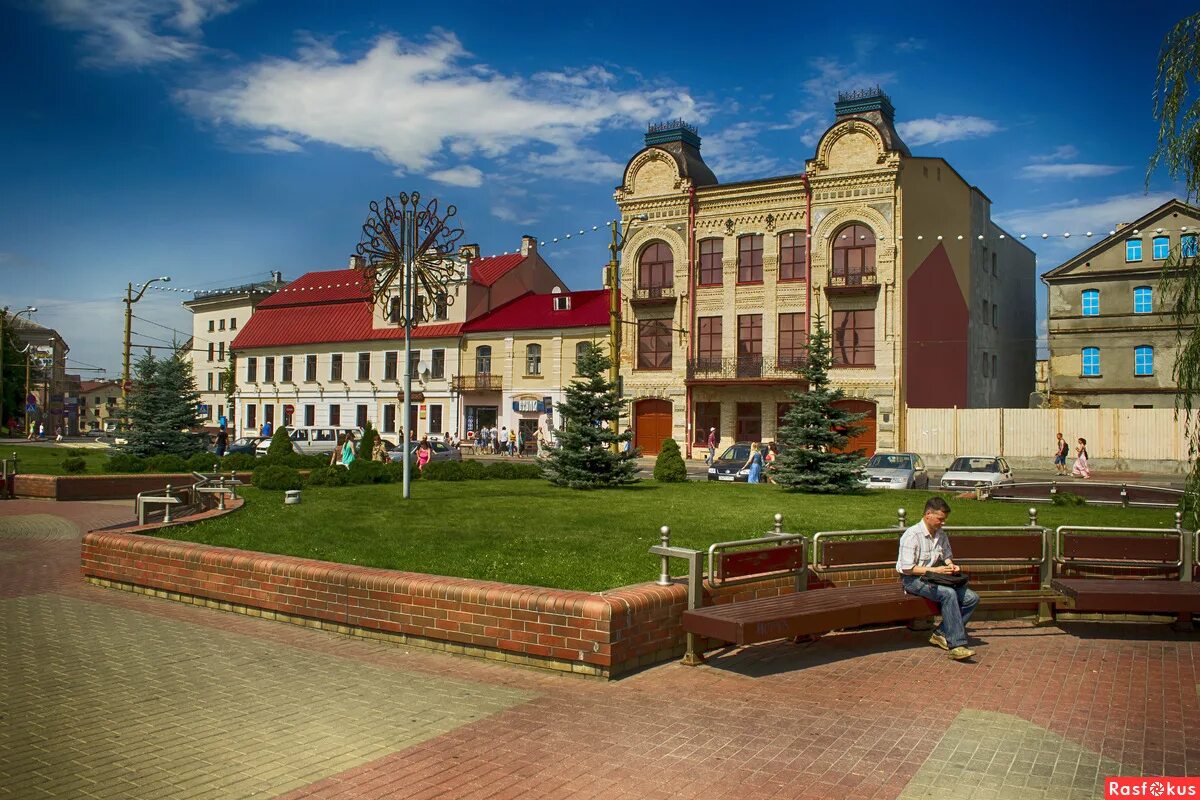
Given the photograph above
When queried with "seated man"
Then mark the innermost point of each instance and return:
(925, 549)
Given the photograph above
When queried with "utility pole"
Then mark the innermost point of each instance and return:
(129, 301)
(614, 303)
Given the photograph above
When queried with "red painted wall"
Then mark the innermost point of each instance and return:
(935, 325)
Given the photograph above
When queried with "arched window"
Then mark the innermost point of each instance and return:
(1143, 360)
(853, 255)
(580, 349)
(1091, 302)
(656, 267)
(1143, 300)
(483, 360)
(533, 359)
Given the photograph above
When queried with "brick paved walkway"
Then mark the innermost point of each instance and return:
(113, 695)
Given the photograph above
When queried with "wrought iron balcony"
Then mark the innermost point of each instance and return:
(653, 295)
(853, 282)
(745, 368)
(477, 382)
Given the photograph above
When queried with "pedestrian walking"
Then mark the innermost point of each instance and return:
(769, 467)
(32, 431)
(520, 443)
(58, 434)
(348, 450)
(926, 566)
(222, 442)
(512, 443)
(713, 440)
(1062, 449)
(424, 453)
(502, 440)
(754, 463)
(41, 431)
(1080, 469)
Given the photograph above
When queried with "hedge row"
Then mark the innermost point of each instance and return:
(280, 477)
(204, 462)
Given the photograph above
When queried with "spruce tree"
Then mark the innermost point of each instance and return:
(669, 466)
(367, 443)
(585, 457)
(163, 408)
(814, 427)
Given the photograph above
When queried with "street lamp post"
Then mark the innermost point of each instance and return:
(619, 235)
(129, 301)
(3, 314)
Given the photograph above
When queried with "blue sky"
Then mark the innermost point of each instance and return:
(217, 140)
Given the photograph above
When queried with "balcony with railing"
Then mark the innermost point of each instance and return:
(477, 382)
(653, 296)
(851, 282)
(762, 369)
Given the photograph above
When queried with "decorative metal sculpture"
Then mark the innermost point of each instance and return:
(413, 247)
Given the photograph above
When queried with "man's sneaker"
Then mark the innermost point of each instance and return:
(961, 653)
(937, 640)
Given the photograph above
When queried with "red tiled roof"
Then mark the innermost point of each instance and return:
(486, 271)
(325, 323)
(321, 287)
(536, 312)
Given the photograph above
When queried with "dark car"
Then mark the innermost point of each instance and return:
(441, 452)
(245, 444)
(731, 465)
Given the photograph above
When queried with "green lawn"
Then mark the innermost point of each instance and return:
(529, 532)
(47, 459)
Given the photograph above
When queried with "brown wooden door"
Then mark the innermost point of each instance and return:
(651, 424)
(865, 440)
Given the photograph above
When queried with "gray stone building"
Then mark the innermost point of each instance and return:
(1111, 337)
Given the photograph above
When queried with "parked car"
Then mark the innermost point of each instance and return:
(244, 444)
(441, 452)
(895, 471)
(310, 441)
(731, 464)
(968, 472)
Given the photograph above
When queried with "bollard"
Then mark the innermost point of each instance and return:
(167, 513)
(901, 518)
(1053, 489)
(1032, 517)
(664, 577)
(1183, 622)
(1124, 497)
(779, 524)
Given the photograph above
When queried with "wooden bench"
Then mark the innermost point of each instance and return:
(1148, 570)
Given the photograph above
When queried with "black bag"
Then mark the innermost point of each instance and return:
(938, 579)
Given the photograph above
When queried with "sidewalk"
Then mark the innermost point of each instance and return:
(116, 695)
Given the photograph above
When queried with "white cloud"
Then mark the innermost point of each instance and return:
(909, 45)
(280, 144)
(464, 175)
(137, 32)
(1069, 171)
(409, 103)
(833, 76)
(1064, 152)
(734, 154)
(945, 128)
(1077, 217)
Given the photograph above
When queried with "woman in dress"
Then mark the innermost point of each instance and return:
(348, 450)
(754, 464)
(1080, 470)
(424, 453)
(772, 454)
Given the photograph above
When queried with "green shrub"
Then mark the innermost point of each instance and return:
(474, 470)
(77, 451)
(510, 471)
(444, 471)
(396, 470)
(281, 445)
(123, 462)
(240, 462)
(276, 477)
(366, 444)
(669, 466)
(1069, 499)
(308, 461)
(329, 476)
(203, 462)
(361, 471)
(166, 462)
(74, 465)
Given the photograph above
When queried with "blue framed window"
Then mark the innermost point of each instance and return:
(1133, 249)
(1143, 300)
(1143, 360)
(1187, 245)
(1162, 248)
(1091, 362)
(1091, 302)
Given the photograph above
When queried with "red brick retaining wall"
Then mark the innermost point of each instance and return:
(100, 487)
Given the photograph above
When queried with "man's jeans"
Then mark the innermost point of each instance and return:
(957, 606)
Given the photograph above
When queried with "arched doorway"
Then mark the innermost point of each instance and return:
(651, 424)
(865, 440)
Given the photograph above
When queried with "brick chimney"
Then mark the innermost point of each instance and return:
(528, 246)
(357, 262)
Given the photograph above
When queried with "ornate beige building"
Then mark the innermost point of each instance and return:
(928, 302)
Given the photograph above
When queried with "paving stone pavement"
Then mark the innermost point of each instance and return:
(107, 694)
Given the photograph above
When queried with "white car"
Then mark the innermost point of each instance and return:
(969, 472)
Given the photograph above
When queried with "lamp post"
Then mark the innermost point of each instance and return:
(3, 314)
(129, 300)
(619, 235)
(409, 247)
